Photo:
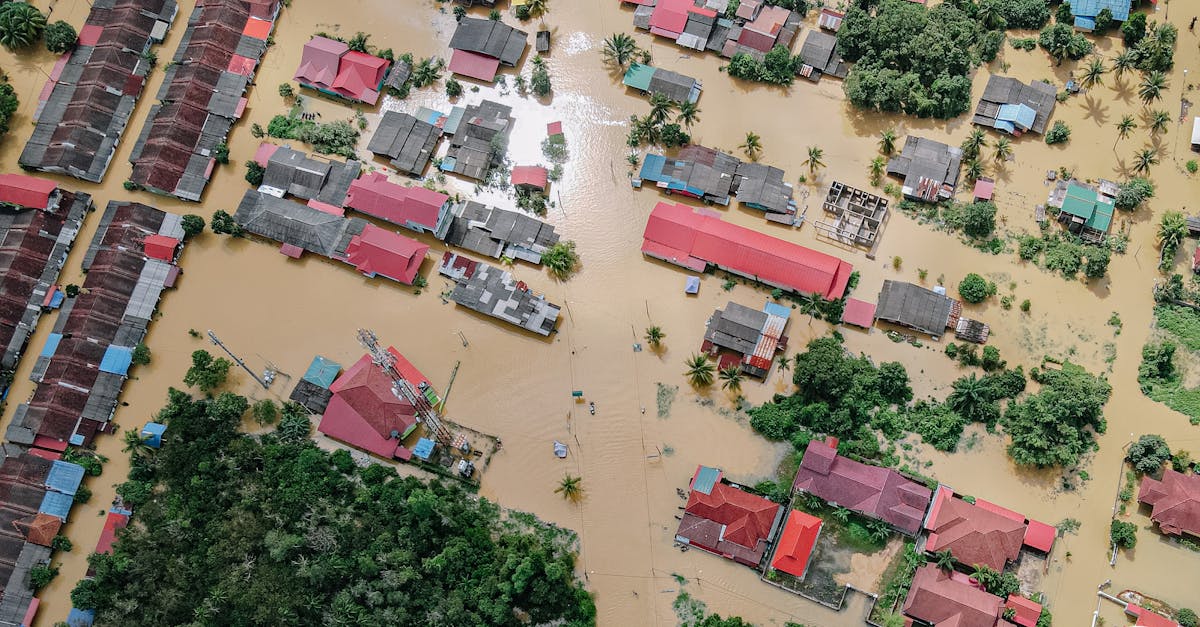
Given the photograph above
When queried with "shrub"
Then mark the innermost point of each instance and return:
(1133, 193)
(222, 222)
(41, 575)
(561, 259)
(1186, 617)
(60, 37)
(192, 225)
(61, 543)
(141, 354)
(1059, 133)
(454, 88)
(539, 81)
(286, 90)
(1123, 534)
(975, 289)
(522, 12)
(221, 153)
(1149, 453)
(254, 173)
(1025, 304)
(265, 412)
(979, 219)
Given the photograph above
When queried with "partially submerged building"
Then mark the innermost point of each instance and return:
(85, 361)
(293, 173)
(1085, 11)
(331, 67)
(1012, 107)
(936, 597)
(413, 207)
(494, 292)
(367, 413)
(754, 29)
(1174, 502)
(928, 168)
(873, 491)
(529, 178)
(481, 45)
(763, 187)
(753, 336)
(682, 236)
(697, 172)
(915, 307)
(407, 141)
(1085, 209)
(982, 533)
(656, 81)
(93, 89)
(797, 540)
(819, 57)
(724, 520)
(479, 140)
(202, 96)
(856, 215)
(499, 233)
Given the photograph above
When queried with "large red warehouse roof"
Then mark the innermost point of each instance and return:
(678, 234)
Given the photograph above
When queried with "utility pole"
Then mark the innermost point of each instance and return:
(238, 360)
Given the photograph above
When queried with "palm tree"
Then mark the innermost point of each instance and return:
(752, 146)
(731, 379)
(1003, 150)
(784, 362)
(973, 171)
(842, 514)
(21, 25)
(1171, 232)
(887, 141)
(1159, 121)
(654, 336)
(944, 560)
(1094, 74)
(136, 445)
(810, 305)
(699, 371)
(571, 488)
(538, 9)
(813, 161)
(1152, 86)
(1144, 159)
(1124, 127)
(989, 15)
(660, 108)
(689, 114)
(619, 49)
(974, 142)
(971, 398)
(878, 164)
(1124, 62)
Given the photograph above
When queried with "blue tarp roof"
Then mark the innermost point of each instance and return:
(1018, 114)
(693, 285)
(1092, 8)
(1007, 127)
(51, 344)
(152, 433)
(56, 300)
(64, 477)
(57, 504)
(76, 439)
(423, 449)
(775, 309)
(706, 478)
(652, 167)
(1085, 23)
(448, 163)
(322, 371)
(116, 360)
(80, 618)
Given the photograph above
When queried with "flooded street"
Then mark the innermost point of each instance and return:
(273, 310)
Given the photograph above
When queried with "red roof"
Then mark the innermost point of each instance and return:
(1146, 618)
(529, 176)
(374, 195)
(670, 16)
(376, 251)
(364, 412)
(1026, 612)
(43, 529)
(1040, 536)
(359, 76)
(291, 250)
(115, 521)
(859, 313)
(939, 599)
(984, 189)
(474, 65)
(319, 61)
(682, 236)
(747, 517)
(1175, 501)
(554, 128)
(325, 207)
(258, 29)
(263, 155)
(242, 65)
(796, 543)
(160, 247)
(973, 534)
(878, 492)
(26, 191)
(90, 34)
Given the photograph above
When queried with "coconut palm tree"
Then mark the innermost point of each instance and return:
(810, 305)
(688, 115)
(1124, 127)
(887, 141)
(21, 25)
(944, 560)
(974, 142)
(654, 336)
(877, 167)
(972, 399)
(1171, 232)
(538, 9)
(973, 171)
(813, 161)
(660, 108)
(731, 379)
(619, 49)
(989, 15)
(1003, 150)
(1158, 122)
(136, 445)
(1094, 74)
(699, 371)
(1152, 86)
(1144, 159)
(784, 362)
(1124, 62)
(752, 146)
(571, 488)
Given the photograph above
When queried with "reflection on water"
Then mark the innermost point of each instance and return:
(270, 308)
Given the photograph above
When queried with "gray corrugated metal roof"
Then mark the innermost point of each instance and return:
(673, 85)
(1037, 95)
(491, 38)
(914, 307)
(291, 223)
(409, 142)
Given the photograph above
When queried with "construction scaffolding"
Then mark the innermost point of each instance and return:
(404, 390)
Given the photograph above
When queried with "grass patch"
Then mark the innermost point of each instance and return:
(664, 397)
(1182, 322)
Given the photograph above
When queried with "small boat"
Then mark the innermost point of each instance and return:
(592, 408)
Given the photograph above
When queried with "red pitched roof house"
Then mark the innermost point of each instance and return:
(972, 534)
(728, 522)
(670, 17)
(116, 520)
(160, 247)
(474, 65)
(796, 543)
(414, 208)
(1025, 612)
(944, 600)
(529, 177)
(1176, 502)
(677, 234)
(379, 252)
(26, 191)
(761, 33)
(1147, 618)
(319, 61)
(329, 66)
(877, 492)
(364, 412)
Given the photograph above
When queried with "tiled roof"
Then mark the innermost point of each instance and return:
(940, 599)
(796, 543)
(973, 534)
(877, 492)
(1175, 500)
(364, 412)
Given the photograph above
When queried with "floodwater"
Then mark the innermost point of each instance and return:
(274, 310)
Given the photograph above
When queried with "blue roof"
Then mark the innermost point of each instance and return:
(1007, 127)
(1085, 23)
(76, 439)
(652, 168)
(452, 120)
(693, 285)
(448, 163)
(64, 477)
(51, 344)
(1018, 114)
(116, 360)
(152, 433)
(57, 504)
(80, 618)
(56, 300)
(423, 449)
(775, 309)
(706, 478)
(322, 371)
(1092, 8)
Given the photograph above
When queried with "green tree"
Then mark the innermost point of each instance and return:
(979, 219)
(1149, 454)
(876, 169)
(1133, 193)
(1003, 150)
(944, 560)
(41, 575)
(61, 543)
(731, 379)
(141, 354)
(358, 43)
(700, 371)
(975, 289)
(571, 488)
(1151, 87)
(1055, 426)
(619, 49)
(1123, 534)
(206, 372)
(192, 225)
(540, 78)
(222, 222)
(1124, 127)
(1094, 73)
(887, 141)
(1062, 42)
(561, 259)
(973, 170)
(538, 9)
(1059, 133)
(265, 412)
(655, 336)
(454, 88)
(286, 90)
(427, 71)
(1187, 617)
(21, 25)
(660, 108)
(688, 114)
(1134, 29)
(1172, 230)
(814, 163)
(1144, 159)
(974, 142)
(1124, 62)
(135, 444)
(8, 104)
(255, 173)
(60, 37)
(752, 146)
(973, 399)
(1158, 121)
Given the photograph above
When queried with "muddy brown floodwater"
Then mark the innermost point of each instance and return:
(271, 309)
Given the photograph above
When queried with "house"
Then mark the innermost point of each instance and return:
(679, 235)
(376, 252)
(973, 535)
(727, 521)
(754, 336)
(26, 534)
(764, 188)
(985, 188)
(767, 29)
(85, 105)
(116, 520)
(654, 81)
(880, 493)
(1085, 209)
(670, 17)
(754, 28)
(331, 67)
(367, 414)
(1147, 618)
(300, 226)
(830, 20)
(929, 169)
(1174, 502)
(529, 178)
(819, 57)
(917, 308)
(494, 292)
(499, 233)
(415, 208)
(161, 247)
(1196, 134)
(859, 313)
(83, 365)
(482, 45)
(938, 598)
(203, 94)
(290, 172)
(857, 215)
(1024, 611)
(407, 141)
(1085, 11)
(25, 192)
(794, 549)
(697, 172)
(479, 140)
(1010, 106)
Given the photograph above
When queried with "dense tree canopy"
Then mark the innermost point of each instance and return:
(1054, 427)
(1149, 453)
(235, 530)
